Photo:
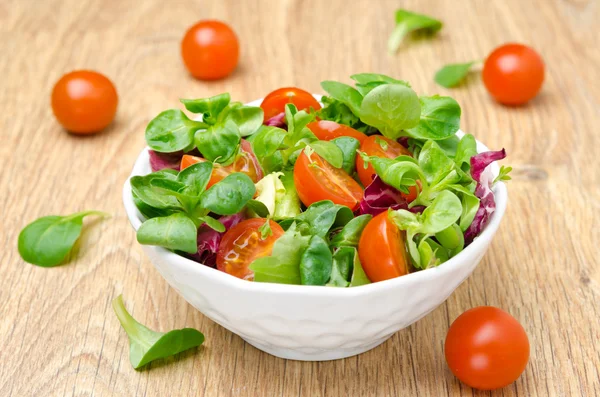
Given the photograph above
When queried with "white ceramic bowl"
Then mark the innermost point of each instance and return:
(308, 322)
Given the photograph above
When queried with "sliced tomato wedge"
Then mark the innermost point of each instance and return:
(246, 163)
(275, 102)
(380, 146)
(382, 249)
(317, 180)
(242, 244)
(327, 130)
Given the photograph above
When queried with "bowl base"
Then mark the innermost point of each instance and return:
(315, 354)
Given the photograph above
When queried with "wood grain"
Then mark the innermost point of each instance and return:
(58, 335)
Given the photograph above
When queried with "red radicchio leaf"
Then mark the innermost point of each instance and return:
(378, 197)
(487, 203)
(209, 240)
(160, 161)
(277, 121)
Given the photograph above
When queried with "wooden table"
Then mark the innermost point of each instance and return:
(58, 334)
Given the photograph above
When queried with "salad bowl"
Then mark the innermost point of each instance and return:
(315, 323)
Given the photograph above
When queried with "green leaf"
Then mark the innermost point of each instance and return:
(399, 173)
(48, 240)
(146, 345)
(470, 205)
(337, 111)
(358, 274)
(175, 232)
(329, 151)
(265, 230)
(172, 131)
(407, 22)
(343, 261)
(287, 205)
(441, 253)
(503, 174)
(230, 195)
(451, 238)
(441, 214)
(267, 141)
(440, 118)
(210, 108)
(427, 257)
(296, 123)
(323, 215)
(219, 143)
(437, 166)
(258, 209)
(148, 211)
(195, 178)
(405, 220)
(267, 191)
(316, 262)
(448, 145)
(350, 233)
(213, 223)
(391, 108)
(247, 118)
(451, 75)
(344, 93)
(348, 146)
(148, 193)
(283, 266)
(366, 78)
(467, 148)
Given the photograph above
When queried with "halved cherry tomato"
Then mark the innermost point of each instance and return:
(317, 180)
(327, 130)
(246, 163)
(382, 249)
(275, 102)
(513, 74)
(380, 146)
(84, 101)
(486, 348)
(210, 50)
(242, 244)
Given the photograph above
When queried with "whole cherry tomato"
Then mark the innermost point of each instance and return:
(317, 180)
(275, 102)
(210, 50)
(486, 348)
(513, 74)
(382, 249)
(242, 244)
(84, 101)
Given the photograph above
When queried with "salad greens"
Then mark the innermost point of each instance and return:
(408, 22)
(146, 345)
(425, 180)
(47, 241)
(452, 75)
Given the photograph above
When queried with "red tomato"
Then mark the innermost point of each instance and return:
(382, 249)
(487, 348)
(372, 146)
(317, 180)
(327, 130)
(242, 244)
(513, 74)
(210, 50)
(246, 163)
(275, 102)
(84, 102)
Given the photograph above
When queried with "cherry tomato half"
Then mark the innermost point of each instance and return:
(382, 249)
(513, 74)
(317, 180)
(486, 348)
(246, 163)
(84, 101)
(242, 244)
(327, 130)
(380, 146)
(210, 50)
(275, 102)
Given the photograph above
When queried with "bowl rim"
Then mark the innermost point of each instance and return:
(479, 244)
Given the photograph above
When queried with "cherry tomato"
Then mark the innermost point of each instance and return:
(246, 163)
(373, 146)
(84, 101)
(275, 102)
(486, 348)
(317, 180)
(242, 244)
(513, 74)
(327, 130)
(210, 50)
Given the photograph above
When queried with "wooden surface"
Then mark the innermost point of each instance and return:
(58, 334)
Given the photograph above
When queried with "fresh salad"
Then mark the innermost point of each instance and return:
(368, 184)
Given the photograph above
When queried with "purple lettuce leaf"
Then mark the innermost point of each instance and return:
(483, 191)
(160, 161)
(277, 121)
(209, 240)
(378, 197)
